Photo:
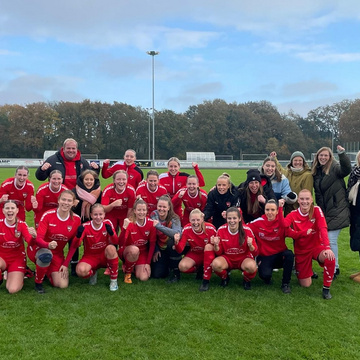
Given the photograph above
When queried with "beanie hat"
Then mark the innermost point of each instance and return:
(296, 154)
(253, 175)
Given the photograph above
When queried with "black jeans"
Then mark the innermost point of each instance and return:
(266, 264)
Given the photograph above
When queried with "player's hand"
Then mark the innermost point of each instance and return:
(156, 256)
(176, 238)
(126, 223)
(261, 199)
(52, 245)
(281, 203)
(32, 232)
(64, 272)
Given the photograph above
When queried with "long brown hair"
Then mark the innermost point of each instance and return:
(316, 163)
(241, 229)
(137, 202)
(253, 207)
(277, 172)
(69, 192)
(171, 214)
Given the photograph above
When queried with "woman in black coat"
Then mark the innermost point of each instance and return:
(330, 192)
(253, 194)
(221, 198)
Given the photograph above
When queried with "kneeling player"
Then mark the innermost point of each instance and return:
(314, 245)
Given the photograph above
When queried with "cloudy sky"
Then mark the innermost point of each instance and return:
(296, 54)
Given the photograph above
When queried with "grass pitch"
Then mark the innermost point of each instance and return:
(155, 320)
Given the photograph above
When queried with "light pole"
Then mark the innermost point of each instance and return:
(153, 54)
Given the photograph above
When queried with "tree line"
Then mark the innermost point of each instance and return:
(217, 126)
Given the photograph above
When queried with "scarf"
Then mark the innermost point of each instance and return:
(88, 196)
(354, 177)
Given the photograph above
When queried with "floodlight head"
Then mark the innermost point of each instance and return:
(153, 53)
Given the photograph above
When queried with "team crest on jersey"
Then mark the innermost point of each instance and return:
(69, 228)
(81, 165)
(313, 221)
(147, 233)
(25, 195)
(104, 233)
(228, 203)
(126, 199)
(179, 184)
(198, 204)
(17, 233)
(131, 176)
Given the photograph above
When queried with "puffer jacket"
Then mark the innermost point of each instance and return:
(330, 193)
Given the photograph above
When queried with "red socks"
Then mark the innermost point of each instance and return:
(113, 265)
(329, 270)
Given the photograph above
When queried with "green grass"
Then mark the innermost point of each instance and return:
(154, 320)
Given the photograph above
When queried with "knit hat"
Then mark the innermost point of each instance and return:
(253, 175)
(296, 154)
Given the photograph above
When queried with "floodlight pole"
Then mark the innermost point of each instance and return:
(153, 54)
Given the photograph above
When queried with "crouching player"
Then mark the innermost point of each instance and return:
(56, 228)
(312, 246)
(270, 234)
(197, 234)
(99, 239)
(12, 250)
(139, 244)
(235, 248)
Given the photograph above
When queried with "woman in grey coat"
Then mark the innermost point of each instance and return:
(330, 192)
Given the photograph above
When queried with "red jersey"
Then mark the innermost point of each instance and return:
(150, 197)
(229, 244)
(301, 222)
(12, 238)
(95, 240)
(127, 196)
(135, 174)
(53, 228)
(47, 199)
(190, 203)
(270, 235)
(196, 241)
(175, 183)
(22, 196)
(144, 237)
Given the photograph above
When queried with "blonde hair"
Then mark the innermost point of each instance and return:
(199, 212)
(173, 159)
(326, 167)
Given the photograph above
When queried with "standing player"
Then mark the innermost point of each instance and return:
(99, 238)
(139, 244)
(197, 234)
(56, 228)
(312, 246)
(12, 250)
(235, 248)
(192, 198)
(19, 189)
(150, 190)
(174, 180)
(118, 199)
(48, 194)
(135, 174)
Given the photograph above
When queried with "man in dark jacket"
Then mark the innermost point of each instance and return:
(69, 161)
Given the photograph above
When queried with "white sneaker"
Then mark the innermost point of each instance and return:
(93, 279)
(113, 285)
